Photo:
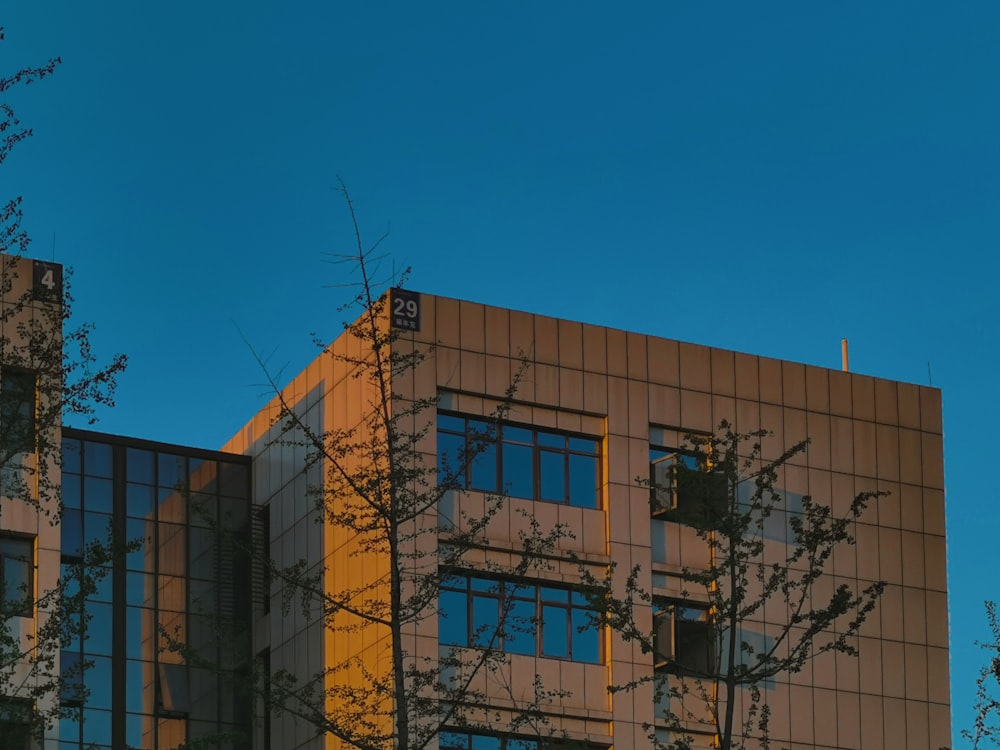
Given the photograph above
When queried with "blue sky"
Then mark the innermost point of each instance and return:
(767, 179)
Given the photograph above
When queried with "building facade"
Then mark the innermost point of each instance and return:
(518, 432)
(594, 412)
(125, 601)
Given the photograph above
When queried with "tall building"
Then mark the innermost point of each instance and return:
(596, 411)
(125, 599)
(174, 626)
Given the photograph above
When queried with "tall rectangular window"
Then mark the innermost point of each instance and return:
(683, 638)
(520, 460)
(17, 410)
(518, 617)
(17, 575)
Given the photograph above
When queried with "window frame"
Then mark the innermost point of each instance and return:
(506, 592)
(481, 441)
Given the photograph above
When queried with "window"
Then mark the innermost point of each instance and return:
(17, 574)
(15, 723)
(523, 461)
(172, 690)
(474, 741)
(683, 638)
(17, 411)
(518, 617)
(684, 488)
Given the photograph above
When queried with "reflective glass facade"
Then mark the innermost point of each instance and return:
(167, 638)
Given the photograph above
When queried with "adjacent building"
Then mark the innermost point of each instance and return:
(182, 618)
(594, 412)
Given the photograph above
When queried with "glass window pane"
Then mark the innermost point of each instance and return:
(171, 592)
(455, 582)
(202, 550)
(72, 456)
(72, 491)
(517, 435)
(551, 439)
(69, 727)
(71, 671)
(138, 730)
(585, 636)
(139, 466)
(555, 631)
(453, 741)
(172, 471)
(140, 531)
(72, 532)
(580, 599)
(139, 500)
(483, 472)
(102, 579)
(137, 641)
(450, 423)
(234, 479)
(172, 549)
(98, 633)
(97, 495)
(585, 445)
(97, 459)
(550, 594)
(520, 628)
(97, 679)
(553, 471)
(173, 505)
(203, 476)
(583, 481)
(485, 618)
(453, 618)
(485, 584)
(518, 472)
(450, 467)
(96, 528)
(481, 742)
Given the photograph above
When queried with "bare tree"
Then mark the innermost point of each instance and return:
(986, 729)
(48, 372)
(713, 647)
(389, 502)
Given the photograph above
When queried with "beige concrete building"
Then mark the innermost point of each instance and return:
(30, 436)
(594, 407)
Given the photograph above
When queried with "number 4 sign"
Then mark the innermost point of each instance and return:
(405, 309)
(48, 279)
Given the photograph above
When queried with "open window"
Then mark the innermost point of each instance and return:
(173, 693)
(683, 638)
(684, 488)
